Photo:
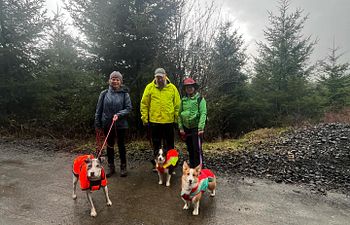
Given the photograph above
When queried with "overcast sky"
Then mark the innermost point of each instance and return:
(328, 20)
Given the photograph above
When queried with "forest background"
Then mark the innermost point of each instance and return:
(51, 79)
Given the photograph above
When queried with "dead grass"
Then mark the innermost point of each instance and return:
(342, 116)
(250, 139)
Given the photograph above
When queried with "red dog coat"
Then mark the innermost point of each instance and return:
(80, 170)
(204, 178)
(172, 157)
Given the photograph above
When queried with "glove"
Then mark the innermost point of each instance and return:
(183, 135)
(201, 133)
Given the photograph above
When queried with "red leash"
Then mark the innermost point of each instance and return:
(115, 118)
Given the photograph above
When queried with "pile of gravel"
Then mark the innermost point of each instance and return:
(318, 156)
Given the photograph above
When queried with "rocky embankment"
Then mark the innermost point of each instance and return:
(318, 156)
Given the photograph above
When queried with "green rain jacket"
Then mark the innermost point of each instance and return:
(191, 115)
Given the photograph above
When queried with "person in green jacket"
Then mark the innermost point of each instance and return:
(192, 118)
(159, 108)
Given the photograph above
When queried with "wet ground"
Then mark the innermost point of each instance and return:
(35, 188)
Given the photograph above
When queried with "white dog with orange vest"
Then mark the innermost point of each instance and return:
(89, 171)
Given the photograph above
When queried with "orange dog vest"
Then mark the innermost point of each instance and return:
(80, 170)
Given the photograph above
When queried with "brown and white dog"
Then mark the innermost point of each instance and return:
(165, 164)
(194, 183)
(89, 171)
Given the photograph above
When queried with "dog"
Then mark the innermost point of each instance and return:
(193, 183)
(166, 163)
(89, 171)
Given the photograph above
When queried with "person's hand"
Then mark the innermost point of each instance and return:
(183, 135)
(201, 133)
(115, 117)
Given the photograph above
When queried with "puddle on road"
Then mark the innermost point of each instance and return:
(11, 162)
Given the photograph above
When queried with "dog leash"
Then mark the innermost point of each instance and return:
(199, 147)
(200, 151)
(115, 118)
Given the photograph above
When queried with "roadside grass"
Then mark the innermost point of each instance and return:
(247, 141)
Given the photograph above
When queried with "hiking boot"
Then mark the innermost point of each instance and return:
(111, 171)
(123, 172)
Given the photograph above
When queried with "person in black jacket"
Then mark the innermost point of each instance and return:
(114, 104)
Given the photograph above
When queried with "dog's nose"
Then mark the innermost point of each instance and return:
(92, 174)
(190, 181)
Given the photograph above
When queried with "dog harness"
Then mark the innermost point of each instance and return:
(80, 170)
(172, 156)
(204, 178)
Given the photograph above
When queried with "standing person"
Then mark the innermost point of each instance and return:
(114, 104)
(160, 109)
(192, 118)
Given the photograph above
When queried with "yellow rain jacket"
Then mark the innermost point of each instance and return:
(160, 105)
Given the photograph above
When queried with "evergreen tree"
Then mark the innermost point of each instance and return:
(21, 26)
(123, 35)
(281, 80)
(67, 93)
(129, 36)
(335, 79)
(226, 91)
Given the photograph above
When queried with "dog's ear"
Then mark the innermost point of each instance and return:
(185, 166)
(102, 159)
(198, 168)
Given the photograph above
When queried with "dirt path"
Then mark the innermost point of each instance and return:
(35, 188)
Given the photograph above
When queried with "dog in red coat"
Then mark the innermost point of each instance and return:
(89, 171)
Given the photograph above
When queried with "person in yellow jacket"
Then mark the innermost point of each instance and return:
(159, 108)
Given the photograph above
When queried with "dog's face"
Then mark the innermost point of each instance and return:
(94, 168)
(190, 176)
(161, 157)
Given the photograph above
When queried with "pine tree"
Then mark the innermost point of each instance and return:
(227, 81)
(123, 35)
(336, 80)
(282, 72)
(129, 36)
(21, 27)
(67, 92)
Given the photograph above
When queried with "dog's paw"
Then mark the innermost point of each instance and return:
(186, 206)
(167, 184)
(93, 213)
(195, 212)
(74, 197)
(212, 194)
(160, 182)
(109, 203)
